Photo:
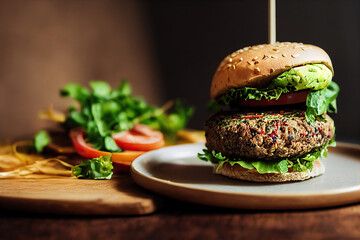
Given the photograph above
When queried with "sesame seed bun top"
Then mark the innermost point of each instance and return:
(256, 66)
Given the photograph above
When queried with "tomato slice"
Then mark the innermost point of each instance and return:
(139, 138)
(83, 149)
(284, 99)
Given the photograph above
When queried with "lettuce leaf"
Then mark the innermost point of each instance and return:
(40, 141)
(299, 164)
(246, 93)
(321, 101)
(97, 168)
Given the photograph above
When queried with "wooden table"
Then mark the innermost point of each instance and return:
(178, 220)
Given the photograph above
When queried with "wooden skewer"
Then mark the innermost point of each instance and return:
(272, 22)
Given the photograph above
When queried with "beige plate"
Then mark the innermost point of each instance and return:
(176, 172)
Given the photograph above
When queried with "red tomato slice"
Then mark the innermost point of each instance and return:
(284, 99)
(139, 138)
(83, 149)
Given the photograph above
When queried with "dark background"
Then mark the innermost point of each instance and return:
(192, 37)
(166, 49)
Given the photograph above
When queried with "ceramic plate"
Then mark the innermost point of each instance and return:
(176, 172)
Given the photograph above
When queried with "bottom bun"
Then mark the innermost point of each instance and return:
(241, 173)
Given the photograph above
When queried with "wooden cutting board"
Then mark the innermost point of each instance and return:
(118, 196)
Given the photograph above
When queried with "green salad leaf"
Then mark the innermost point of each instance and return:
(246, 93)
(97, 168)
(76, 91)
(318, 102)
(300, 164)
(40, 141)
(104, 111)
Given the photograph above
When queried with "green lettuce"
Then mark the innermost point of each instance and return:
(97, 168)
(321, 101)
(104, 111)
(40, 141)
(247, 93)
(299, 164)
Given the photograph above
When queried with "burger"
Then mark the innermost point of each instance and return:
(271, 123)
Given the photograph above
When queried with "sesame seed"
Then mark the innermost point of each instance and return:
(230, 60)
(272, 56)
(264, 57)
(248, 62)
(275, 49)
(294, 55)
(229, 66)
(254, 59)
(256, 62)
(257, 70)
(283, 55)
(233, 66)
(255, 48)
(233, 55)
(241, 59)
(272, 70)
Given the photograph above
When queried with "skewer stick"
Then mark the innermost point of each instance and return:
(272, 21)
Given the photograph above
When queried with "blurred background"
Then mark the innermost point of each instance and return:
(165, 49)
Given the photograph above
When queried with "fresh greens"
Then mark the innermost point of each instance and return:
(97, 168)
(104, 111)
(247, 93)
(260, 166)
(331, 93)
(40, 141)
(316, 77)
(318, 102)
(299, 164)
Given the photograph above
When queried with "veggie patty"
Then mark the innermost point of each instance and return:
(266, 136)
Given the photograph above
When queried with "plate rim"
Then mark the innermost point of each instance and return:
(348, 193)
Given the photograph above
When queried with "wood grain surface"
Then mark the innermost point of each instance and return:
(188, 221)
(118, 196)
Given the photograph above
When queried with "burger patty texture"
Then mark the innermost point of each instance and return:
(266, 136)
